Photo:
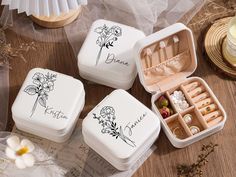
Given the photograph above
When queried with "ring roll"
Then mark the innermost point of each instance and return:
(209, 117)
(204, 103)
(197, 91)
(191, 86)
(208, 109)
(215, 121)
(200, 97)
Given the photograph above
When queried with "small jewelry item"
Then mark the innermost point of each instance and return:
(197, 91)
(166, 112)
(178, 133)
(211, 116)
(176, 45)
(194, 130)
(175, 131)
(191, 86)
(188, 118)
(204, 103)
(200, 97)
(163, 49)
(164, 107)
(162, 101)
(208, 109)
(179, 100)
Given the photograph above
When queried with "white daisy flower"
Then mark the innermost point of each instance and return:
(20, 152)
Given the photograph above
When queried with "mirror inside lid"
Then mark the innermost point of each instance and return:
(165, 57)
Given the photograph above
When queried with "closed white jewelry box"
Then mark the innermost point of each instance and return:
(48, 104)
(120, 129)
(106, 56)
(165, 60)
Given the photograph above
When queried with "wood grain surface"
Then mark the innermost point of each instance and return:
(163, 162)
(57, 21)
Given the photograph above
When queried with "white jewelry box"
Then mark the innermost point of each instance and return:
(164, 61)
(120, 129)
(48, 104)
(106, 56)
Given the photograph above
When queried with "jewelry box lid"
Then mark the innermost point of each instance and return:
(107, 54)
(165, 58)
(119, 128)
(49, 100)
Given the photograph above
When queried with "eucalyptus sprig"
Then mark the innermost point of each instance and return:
(195, 169)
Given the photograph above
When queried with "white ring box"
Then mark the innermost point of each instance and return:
(120, 129)
(168, 72)
(48, 104)
(106, 56)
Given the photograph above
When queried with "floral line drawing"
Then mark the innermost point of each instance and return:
(106, 38)
(43, 84)
(107, 121)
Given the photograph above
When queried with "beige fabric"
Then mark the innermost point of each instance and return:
(169, 67)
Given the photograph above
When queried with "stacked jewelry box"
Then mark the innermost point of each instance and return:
(106, 56)
(48, 104)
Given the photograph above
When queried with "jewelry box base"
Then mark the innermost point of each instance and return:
(206, 126)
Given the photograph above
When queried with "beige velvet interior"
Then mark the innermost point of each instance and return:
(176, 59)
(198, 96)
(175, 126)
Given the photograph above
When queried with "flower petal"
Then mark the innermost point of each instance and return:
(28, 160)
(10, 153)
(50, 83)
(20, 163)
(37, 82)
(13, 142)
(28, 144)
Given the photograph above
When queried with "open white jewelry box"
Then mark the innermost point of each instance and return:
(164, 61)
(48, 104)
(106, 56)
(120, 129)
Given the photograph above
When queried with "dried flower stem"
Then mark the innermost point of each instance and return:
(8, 52)
(196, 168)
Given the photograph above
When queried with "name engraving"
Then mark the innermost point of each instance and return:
(54, 113)
(112, 59)
(130, 126)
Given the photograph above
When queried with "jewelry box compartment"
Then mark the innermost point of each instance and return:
(202, 116)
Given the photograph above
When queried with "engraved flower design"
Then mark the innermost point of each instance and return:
(116, 31)
(106, 37)
(38, 78)
(20, 152)
(48, 86)
(109, 126)
(108, 113)
(43, 84)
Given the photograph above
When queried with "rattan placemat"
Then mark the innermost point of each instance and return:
(213, 45)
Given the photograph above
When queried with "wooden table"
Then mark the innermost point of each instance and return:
(163, 162)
